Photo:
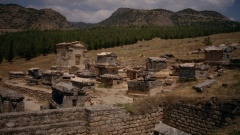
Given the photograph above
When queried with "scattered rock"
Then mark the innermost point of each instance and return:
(10, 124)
(166, 91)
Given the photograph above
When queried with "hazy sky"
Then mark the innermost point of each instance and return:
(93, 11)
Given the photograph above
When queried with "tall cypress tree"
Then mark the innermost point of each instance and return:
(10, 53)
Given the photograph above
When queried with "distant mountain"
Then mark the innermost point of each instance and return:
(161, 17)
(83, 25)
(13, 16)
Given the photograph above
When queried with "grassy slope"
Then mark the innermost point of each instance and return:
(132, 54)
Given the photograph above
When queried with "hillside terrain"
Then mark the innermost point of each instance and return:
(161, 17)
(134, 54)
(13, 16)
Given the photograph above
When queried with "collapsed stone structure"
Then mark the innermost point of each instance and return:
(134, 73)
(51, 77)
(143, 85)
(11, 101)
(221, 54)
(156, 64)
(66, 95)
(106, 63)
(110, 79)
(187, 71)
(16, 74)
(71, 54)
(192, 70)
(83, 83)
(35, 73)
(202, 86)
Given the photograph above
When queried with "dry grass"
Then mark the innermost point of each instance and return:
(43, 62)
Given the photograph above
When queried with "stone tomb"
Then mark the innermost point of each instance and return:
(110, 79)
(71, 54)
(187, 71)
(83, 83)
(143, 85)
(106, 59)
(156, 64)
(35, 73)
(66, 95)
(51, 77)
(11, 101)
(218, 54)
(134, 73)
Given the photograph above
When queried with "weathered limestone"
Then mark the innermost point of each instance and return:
(66, 95)
(202, 86)
(16, 74)
(51, 77)
(83, 83)
(143, 85)
(110, 80)
(187, 71)
(201, 119)
(35, 73)
(106, 59)
(107, 63)
(134, 73)
(71, 54)
(218, 54)
(156, 64)
(11, 101)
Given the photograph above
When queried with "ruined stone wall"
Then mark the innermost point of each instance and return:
(115, 121)
(40, 95)
(202, 119)
(67, 120)
(104, 119)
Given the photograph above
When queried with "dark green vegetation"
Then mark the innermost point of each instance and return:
(30, 44)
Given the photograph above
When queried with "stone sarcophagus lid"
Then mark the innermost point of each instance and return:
(11, 101)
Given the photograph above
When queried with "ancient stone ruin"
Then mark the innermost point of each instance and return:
(71, 54)
(66, 95)
(106, 59)
(156, 64)
(11, 101)
(83, 83)
(16, 75)
(35, 73)
(110, 79)
(187, 71)
(134, 73)
(218, 54)
(143, 85)
(106, 63)
(202, 86)
(51, 77)
(191, 71)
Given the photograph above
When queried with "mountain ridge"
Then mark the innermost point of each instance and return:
(13, 16)
(162, 17)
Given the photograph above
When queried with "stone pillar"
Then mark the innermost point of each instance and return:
(7, 107)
